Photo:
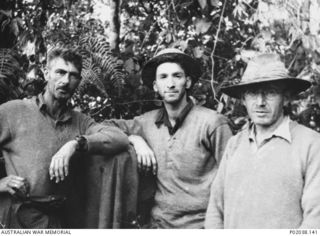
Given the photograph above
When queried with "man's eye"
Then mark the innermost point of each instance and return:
(60, 72)
(75, 77)
(272, 92)
(250, 93)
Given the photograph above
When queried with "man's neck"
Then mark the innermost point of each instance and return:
(263, 132)
(174, 110)
(54, 106)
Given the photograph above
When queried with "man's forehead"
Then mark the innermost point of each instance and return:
(60, 63)
(165, 66)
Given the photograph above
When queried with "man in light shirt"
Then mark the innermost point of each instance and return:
(269, 176)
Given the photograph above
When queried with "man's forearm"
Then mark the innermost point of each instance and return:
(110, 140)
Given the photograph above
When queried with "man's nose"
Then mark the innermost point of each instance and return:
(65, 78)
(171, 82)
(261, 99)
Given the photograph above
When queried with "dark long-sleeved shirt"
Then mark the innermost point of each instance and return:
(187, 160)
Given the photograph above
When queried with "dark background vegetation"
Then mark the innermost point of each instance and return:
(222, 35)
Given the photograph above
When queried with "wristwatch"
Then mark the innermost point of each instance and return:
(82, 143)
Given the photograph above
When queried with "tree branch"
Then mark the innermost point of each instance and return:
(213, 51)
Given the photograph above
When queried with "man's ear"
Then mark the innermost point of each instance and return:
(189, 82)
(46, 73)
(242, 99)
(155, 88)
(286, 101)
(287, 97)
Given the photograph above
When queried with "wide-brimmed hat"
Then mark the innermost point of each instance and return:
(170, 55)
(263, 69)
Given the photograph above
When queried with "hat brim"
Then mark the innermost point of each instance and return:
(191, 65)
(294, 85)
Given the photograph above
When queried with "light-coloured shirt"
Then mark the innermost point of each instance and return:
(275, 185)
(282, 131)
(187, 163)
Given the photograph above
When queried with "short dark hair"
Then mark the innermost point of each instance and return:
(66, 54)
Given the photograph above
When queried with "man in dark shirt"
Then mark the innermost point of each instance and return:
(186, 141)
(39, 138)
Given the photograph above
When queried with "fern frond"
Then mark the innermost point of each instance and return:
(10, 72)
(101, 55)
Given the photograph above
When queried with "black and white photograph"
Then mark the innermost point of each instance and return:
(160, 114)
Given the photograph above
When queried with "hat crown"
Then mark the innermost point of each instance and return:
(265, 67)
(191, 65)
(169, 50)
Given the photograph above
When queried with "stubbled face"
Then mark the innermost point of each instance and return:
(171, 83)
(265, 105)
(63, 79)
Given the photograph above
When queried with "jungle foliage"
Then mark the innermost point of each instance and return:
(222, 35)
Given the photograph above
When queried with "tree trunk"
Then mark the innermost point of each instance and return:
(115, 25)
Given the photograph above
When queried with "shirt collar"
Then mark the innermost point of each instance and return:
(64, 117)
(282, 131)
(162, 117)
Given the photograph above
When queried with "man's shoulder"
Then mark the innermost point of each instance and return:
(149, 114)
(302, 132)
(240, 136)
(209, 115)
(16, 104)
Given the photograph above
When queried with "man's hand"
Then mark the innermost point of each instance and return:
(59, 167)
(145, 156)
(15, 185)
